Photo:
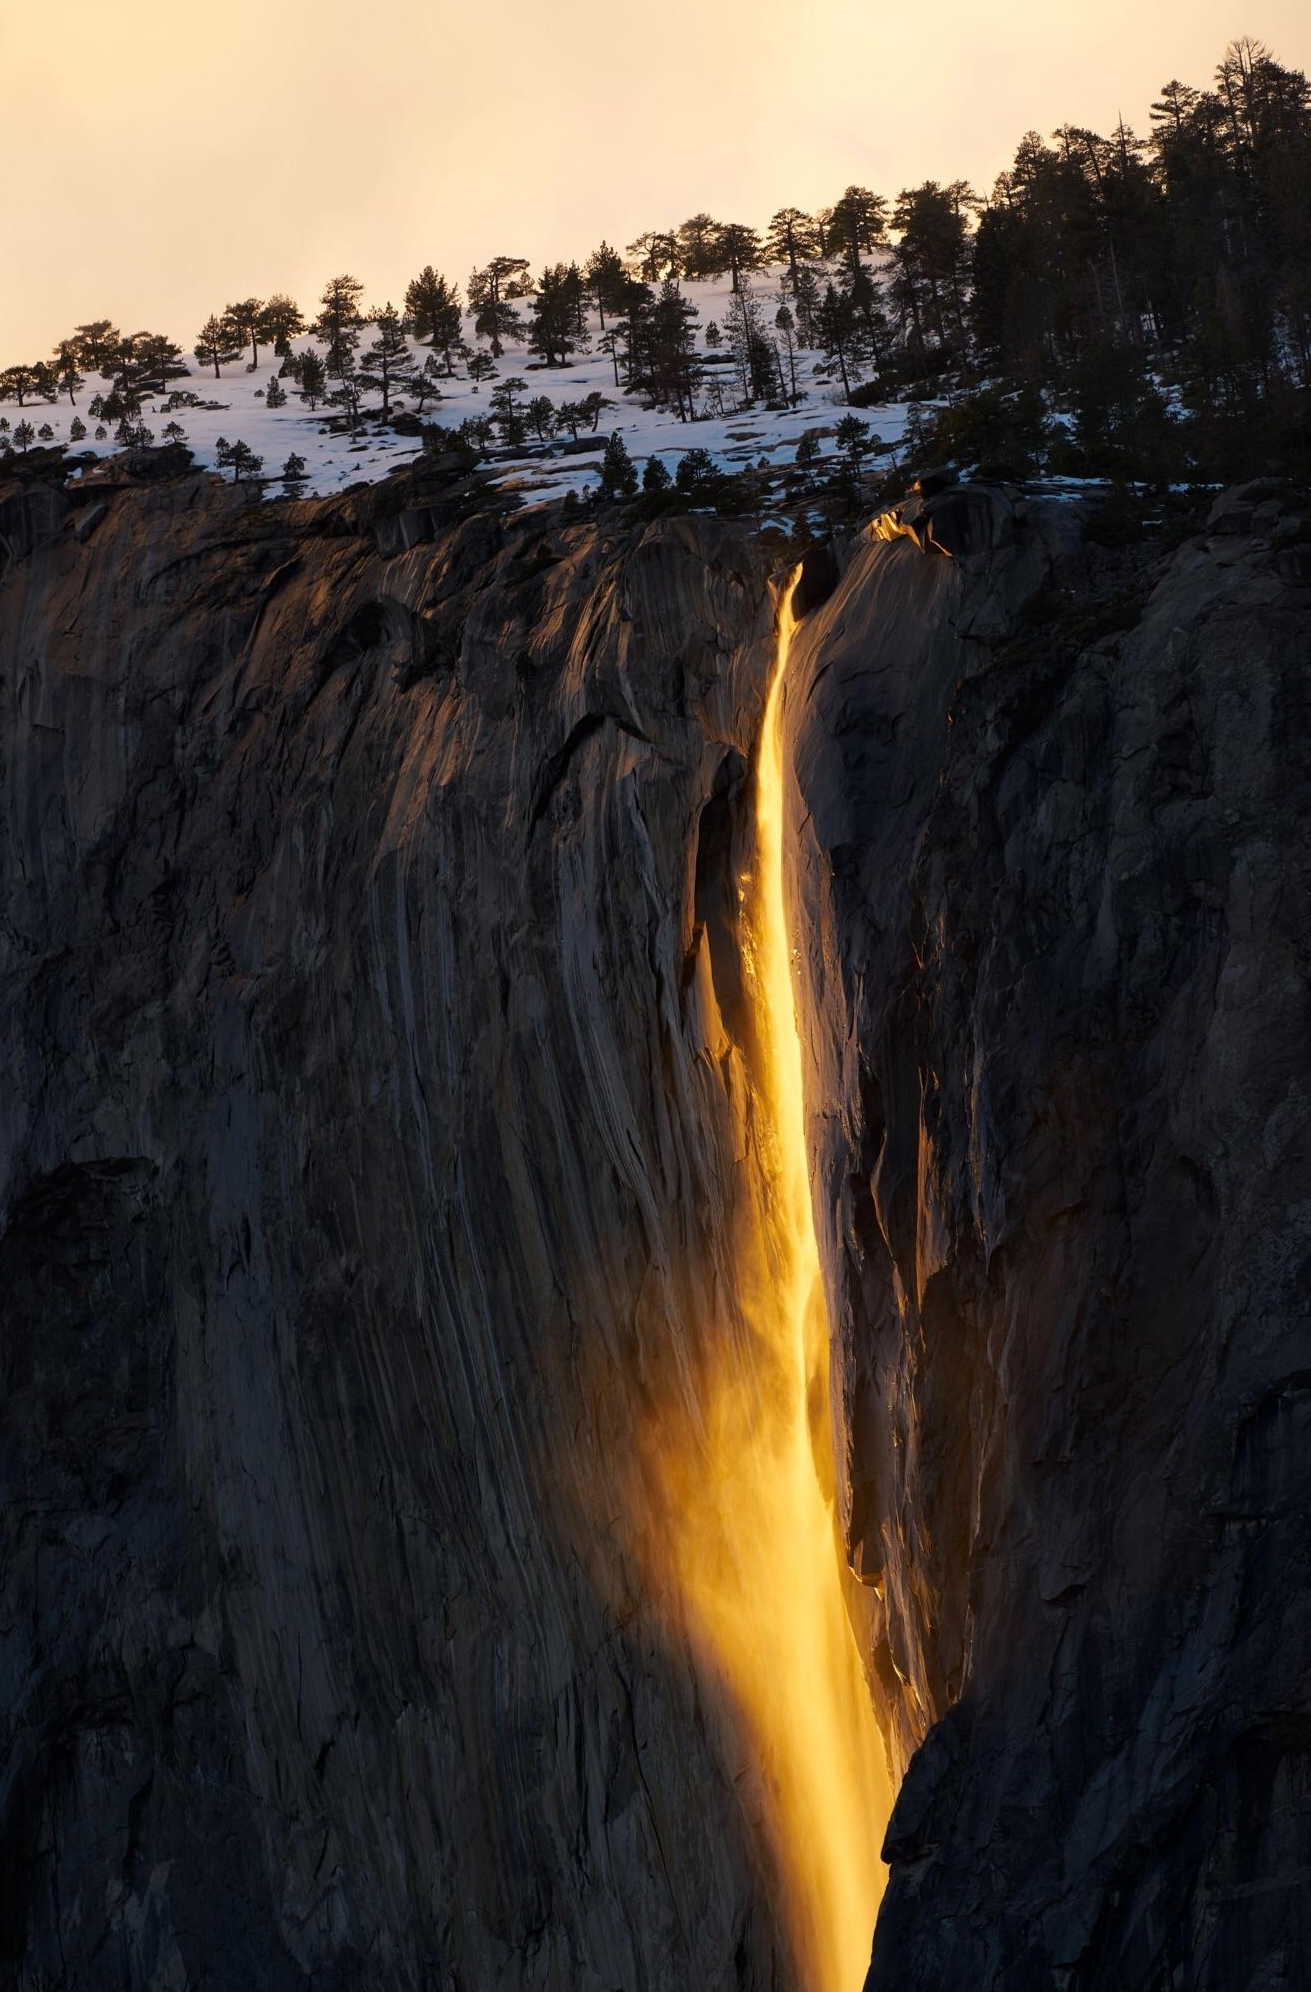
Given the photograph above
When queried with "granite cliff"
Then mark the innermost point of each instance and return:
(364, 1118)
(1053, 859)
(378, 1116)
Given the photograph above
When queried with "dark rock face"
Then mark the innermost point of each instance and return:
(372, 1026)
(367, 903)
(1056, 898)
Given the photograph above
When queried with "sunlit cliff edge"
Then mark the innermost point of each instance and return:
(383, 1065)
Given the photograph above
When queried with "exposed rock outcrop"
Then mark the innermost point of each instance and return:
(1055, 891)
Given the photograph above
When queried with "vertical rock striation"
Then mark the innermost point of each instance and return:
(1054, 889)
(367, 996)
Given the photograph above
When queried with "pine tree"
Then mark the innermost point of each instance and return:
(491, 294)
(238, 457)
(675, 368)
(576, 295)
(76, 429)
(808, 452)
(347, 394)
(855, 226)
(388, 364)
(618, 476)
(426, 383)
(573, 416)
(541, 414)
(218, 343)
(754, 356)
(634, 332)
(275, 396)
(506, 412)
(838, 333)
(434, 306)
(608, 343)
(655, 476)
(853, 438)
(121, 404)
(280, 322)
(339, 321)
(126, 370)
(480, 367)
(698, 478)
(293, 470)
(553, 335)
(740, 249)
(864, 296)
(792, 239)
(700, 242)
(475, 435)
(656, 254)
(605, 281)
(246, 317)
(806, 297)
(96, 344)
(71, 380)
(19, 384)
(932, 260)
(845, 482)
(312, 375)
(1174, 109)
(786, 326)
(155, 361)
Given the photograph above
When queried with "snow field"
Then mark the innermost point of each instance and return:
(334, 460)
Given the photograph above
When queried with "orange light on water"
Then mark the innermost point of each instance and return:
(748, 1541)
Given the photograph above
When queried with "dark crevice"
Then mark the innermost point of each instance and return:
(720, 833)
(558, 764)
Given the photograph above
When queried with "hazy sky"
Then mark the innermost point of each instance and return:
(160, 158)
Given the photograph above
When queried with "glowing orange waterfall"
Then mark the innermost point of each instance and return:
(751, 1548)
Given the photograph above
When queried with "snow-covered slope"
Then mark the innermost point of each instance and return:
(334, 459)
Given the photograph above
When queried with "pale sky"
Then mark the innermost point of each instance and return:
(160, 158)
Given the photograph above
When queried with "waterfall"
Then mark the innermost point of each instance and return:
(748, 1543)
